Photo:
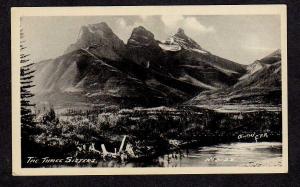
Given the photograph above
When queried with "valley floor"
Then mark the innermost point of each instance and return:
(235, 108)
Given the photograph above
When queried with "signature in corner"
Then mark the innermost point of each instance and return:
(255, 136)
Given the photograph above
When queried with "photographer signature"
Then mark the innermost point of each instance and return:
(255, 136)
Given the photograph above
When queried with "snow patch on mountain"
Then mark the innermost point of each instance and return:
(192, 80)
(251, 69)
(170, 47)
(199, 51)
(72, 90)
(180, 41)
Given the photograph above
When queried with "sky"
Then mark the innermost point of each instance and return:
(242, 39)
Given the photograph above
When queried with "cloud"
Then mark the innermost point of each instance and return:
(123, 29)
(193, 24)
(122, 22)
(172, 22)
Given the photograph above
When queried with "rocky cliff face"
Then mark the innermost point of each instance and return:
(99, 39)
(143, 49)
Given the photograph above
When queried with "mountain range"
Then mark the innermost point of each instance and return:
(100, 69)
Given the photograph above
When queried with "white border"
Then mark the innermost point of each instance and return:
(17, 12)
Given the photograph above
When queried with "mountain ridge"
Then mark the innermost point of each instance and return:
(99, 68)
(260, 85)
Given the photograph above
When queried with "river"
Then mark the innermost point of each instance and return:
(233, 154)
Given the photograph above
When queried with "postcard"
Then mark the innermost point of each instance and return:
(136, 90)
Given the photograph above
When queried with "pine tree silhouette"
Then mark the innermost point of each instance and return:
(26, 76)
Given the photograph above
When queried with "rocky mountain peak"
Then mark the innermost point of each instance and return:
(98, 31)
(140, 30)
(180, 41)
(181, 34)
(180, 31)
(99, 39)
(142, 37)
(100, 26)
(272, 58)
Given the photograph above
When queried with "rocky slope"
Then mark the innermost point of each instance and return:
(261, 84)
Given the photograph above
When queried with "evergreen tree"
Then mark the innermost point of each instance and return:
(26, 76)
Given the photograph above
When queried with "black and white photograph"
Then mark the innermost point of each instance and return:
(184, 89)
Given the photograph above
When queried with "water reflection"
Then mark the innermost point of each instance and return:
(234, 154)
